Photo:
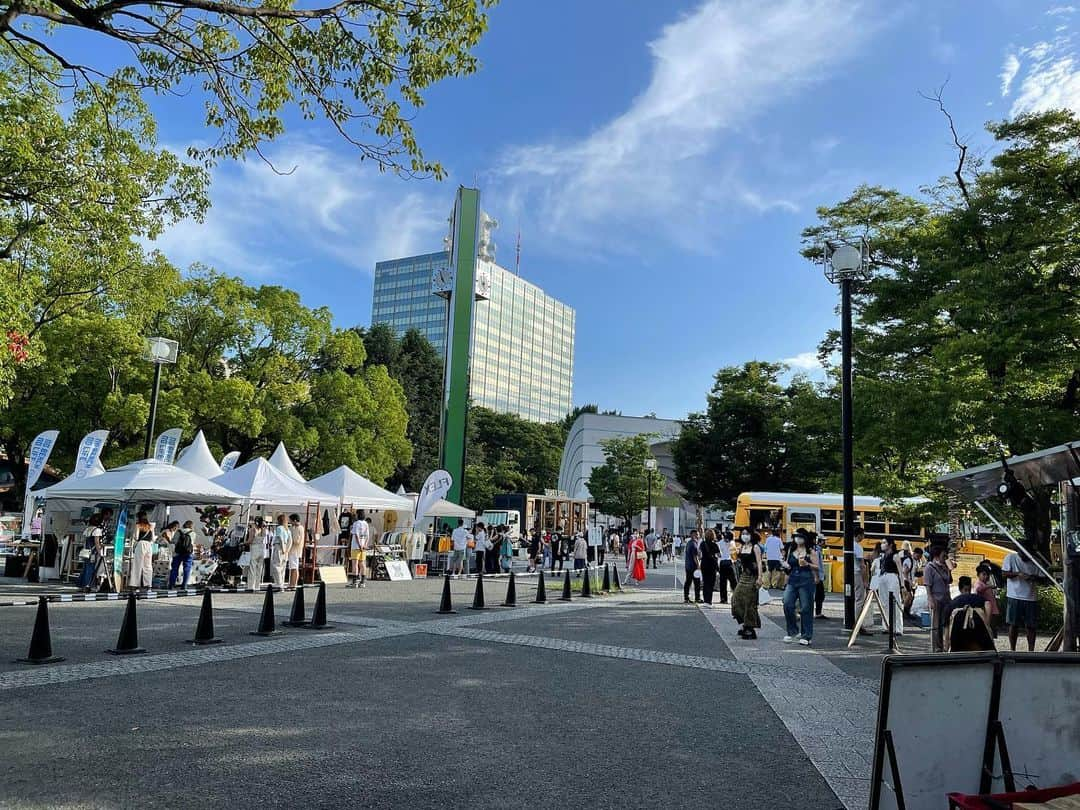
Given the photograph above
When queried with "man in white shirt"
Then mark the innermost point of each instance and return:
(860, 576)
(774, 555)
(1022, 605)
(460, 542)
(359, 540)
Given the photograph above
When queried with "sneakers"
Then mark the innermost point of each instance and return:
(805, 642)
(788, 639)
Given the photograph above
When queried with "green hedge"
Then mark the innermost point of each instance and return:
(1051, 610)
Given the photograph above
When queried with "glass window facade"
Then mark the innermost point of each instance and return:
(522, 359)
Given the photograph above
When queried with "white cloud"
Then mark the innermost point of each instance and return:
(1046, 77)
(673, 155)
(331, 206)
(1008, 72)
(805, 361)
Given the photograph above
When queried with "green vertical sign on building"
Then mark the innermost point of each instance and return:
(464, 235)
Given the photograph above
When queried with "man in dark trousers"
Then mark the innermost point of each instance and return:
(726, 572)
(692, 568)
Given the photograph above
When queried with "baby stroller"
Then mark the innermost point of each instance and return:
(227, 571)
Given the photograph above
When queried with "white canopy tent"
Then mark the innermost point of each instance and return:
(196, 458)
(148, 480)
(259, 482)
(443, 508)
(347, 486)
(280, 460)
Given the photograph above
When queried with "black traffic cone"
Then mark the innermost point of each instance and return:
(204, 630)
(41, 639)
(606, 586)
(566, 587)
(318, 615)
(266, 620)
(615, 584)
(586, 582)
(511, 593)
(446, 605)
(296, 615)
(541, 593)
(478, 594)
(128, 641)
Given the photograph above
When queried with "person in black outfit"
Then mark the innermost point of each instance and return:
(535, 560)
(726, 569)
(692, 558)
(710, 565)
(557, 550)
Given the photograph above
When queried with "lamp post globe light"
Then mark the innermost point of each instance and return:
(159, 351)
(650, 465)
(844, 263)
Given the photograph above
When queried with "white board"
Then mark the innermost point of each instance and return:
(929, 709)
(1040, 715)
(397, 570)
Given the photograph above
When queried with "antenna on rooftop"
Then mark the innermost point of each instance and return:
(517, 254)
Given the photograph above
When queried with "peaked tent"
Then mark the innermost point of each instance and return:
(443, 508)
(147, 480)
(259, 482)
(347, 486)
(196, 458)
(280, 460)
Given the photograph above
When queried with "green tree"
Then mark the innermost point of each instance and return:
(620, 486)
(522, 455)
(757, 433)
(362, 65)
(418, 369)
(80, 193)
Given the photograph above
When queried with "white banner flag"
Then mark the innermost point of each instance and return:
(435, 487)
(40, 450)
(167, 442)
(230, 460)
(89, 452)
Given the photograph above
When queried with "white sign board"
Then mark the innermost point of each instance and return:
(397, 570)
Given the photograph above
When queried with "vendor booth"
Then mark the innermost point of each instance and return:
(352, 494)
(150, 485)
(442, 517)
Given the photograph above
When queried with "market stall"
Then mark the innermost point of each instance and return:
(150, 485)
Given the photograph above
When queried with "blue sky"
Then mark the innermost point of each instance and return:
(660, 160)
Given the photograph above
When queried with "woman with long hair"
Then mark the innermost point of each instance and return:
(888, 584)
(744, 601)
(142, 556)
(800, 563)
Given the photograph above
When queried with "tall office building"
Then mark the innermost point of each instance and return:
(522, 358)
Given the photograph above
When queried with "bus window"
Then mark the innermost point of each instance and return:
(808, 519)
(830, 521)
(873, 523)
(905, 529)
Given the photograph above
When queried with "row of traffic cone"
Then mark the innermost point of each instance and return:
(446, 604)
(127, 643)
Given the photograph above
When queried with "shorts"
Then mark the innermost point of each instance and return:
(293, 562)
(1022, 613)
(357, 554)
(774, 565)
(456, 557)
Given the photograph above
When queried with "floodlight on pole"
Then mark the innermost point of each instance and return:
(159, 351)
(843, 264)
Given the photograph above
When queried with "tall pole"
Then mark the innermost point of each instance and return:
(153, 410)
(849, 464)
(648, 514)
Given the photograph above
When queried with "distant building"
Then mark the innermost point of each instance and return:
(584, 452)
(522, 359)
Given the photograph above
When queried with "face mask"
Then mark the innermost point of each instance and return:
(799, 541)
(746, 538)
(884, 546)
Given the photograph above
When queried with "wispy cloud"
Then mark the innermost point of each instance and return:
(659, 161)
(1043, 76)
(804, 361)
(264, 224)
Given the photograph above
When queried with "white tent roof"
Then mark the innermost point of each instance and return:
(280, 460)
(443, 508)
(349, 487)
(196, 458)
(146, 480)
(260, 482)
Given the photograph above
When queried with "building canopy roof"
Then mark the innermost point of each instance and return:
(1039, 469)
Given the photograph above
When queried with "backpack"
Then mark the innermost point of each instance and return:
(185, 544)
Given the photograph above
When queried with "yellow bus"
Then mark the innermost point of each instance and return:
(824, 513)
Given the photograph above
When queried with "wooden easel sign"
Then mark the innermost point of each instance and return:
(867, 607)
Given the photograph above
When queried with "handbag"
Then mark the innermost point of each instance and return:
(763, 596)
(84, 555)
(640, 555)
(245, 559)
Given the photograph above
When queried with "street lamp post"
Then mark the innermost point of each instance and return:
(650, 465)
(844, 264)
(159, 351)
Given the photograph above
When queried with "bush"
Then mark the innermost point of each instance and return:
(1051, 610)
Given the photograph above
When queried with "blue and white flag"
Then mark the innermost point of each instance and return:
(167, 442)
(40, 450)
(89, 452)
(230, 460)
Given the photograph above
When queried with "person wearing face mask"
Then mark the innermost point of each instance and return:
(800, 565)
(888, 582)
(744, 601)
